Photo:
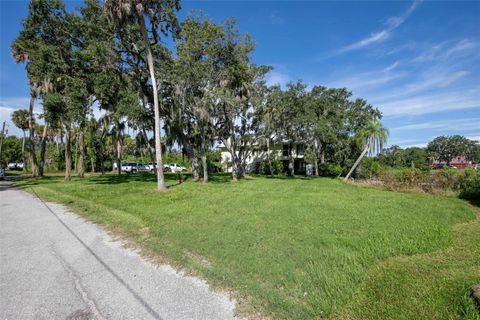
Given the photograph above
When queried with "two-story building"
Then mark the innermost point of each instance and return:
(278, 151)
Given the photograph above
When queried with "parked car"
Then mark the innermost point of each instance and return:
(438, 166)
(134, 167)
(173, 167)
(15, 166)
(141, 167)
(151, 166)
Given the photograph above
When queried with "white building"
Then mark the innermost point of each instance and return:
(278, 151)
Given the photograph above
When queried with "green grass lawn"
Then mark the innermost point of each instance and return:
(297, 248)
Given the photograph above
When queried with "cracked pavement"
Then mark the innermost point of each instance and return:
(56, 265)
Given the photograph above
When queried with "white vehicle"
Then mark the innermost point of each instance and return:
(173, 167)
(15, 166)
(141, 167)
(152, 167)
(133, 167)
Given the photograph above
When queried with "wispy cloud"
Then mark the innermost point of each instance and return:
(447, 50)
(441, 77)
(275, 18)
(431, 103)
(379, 36)
(11, 104)
(466, 124)
(474, 138)
(370, 79)
(275, 77)
(15, 102)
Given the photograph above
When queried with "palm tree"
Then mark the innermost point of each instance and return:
(20, 120)
(374, 136)
(122, 12)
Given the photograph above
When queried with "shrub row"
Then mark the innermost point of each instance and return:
(274, 167)
(470, 185)
(329, 169)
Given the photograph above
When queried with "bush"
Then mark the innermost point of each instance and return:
(439, 181)
(108, 165)
(369, 168)
(274, 167)
(329, 169)
(470, 185)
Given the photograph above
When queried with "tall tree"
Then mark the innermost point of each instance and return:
(41, 42)
(235, 121)
(373, 137)
(20, 119)
(445, 148)
(161, 16)
(196, 74)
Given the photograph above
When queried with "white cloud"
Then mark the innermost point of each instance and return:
(432, 102)
(275, 77)
(9, 105)
(379, 36)
(466, 124)
(275, 18)
(370, 79)
(474, 138)
(15, 102)
(418, 145)
(391, 67)
(406, 143)
(431, 79)
(448, 50)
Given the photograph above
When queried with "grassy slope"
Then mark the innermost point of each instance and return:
(295, 248)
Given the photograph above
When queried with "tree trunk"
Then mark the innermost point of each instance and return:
(81, 158)
(31, 143)
(23, 153)
(92, 163)
(234, 172)
(43, 148)
(68, 155)
(102, 164)
(204, 159)
(269, 161)
(158, 142)
(315, 160)
(322, 155)
(205, 169)
(119, 156)
(75, 159)
(191, 158)
(291, 169)
(241, 170)
(57, 138)
(152, 157)
(194, 162)
(356, 163)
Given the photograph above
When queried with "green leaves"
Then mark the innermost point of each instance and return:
(445, 148)
(20, 119)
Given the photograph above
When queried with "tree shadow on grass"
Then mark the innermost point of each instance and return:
(475, 202)
(171, 179)
(296, 177)
(33, 182)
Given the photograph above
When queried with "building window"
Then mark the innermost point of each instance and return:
(300, 150)
(285, 150)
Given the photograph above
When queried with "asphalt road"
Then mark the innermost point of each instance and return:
(55, 265)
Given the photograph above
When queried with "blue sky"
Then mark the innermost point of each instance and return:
(417, 61)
